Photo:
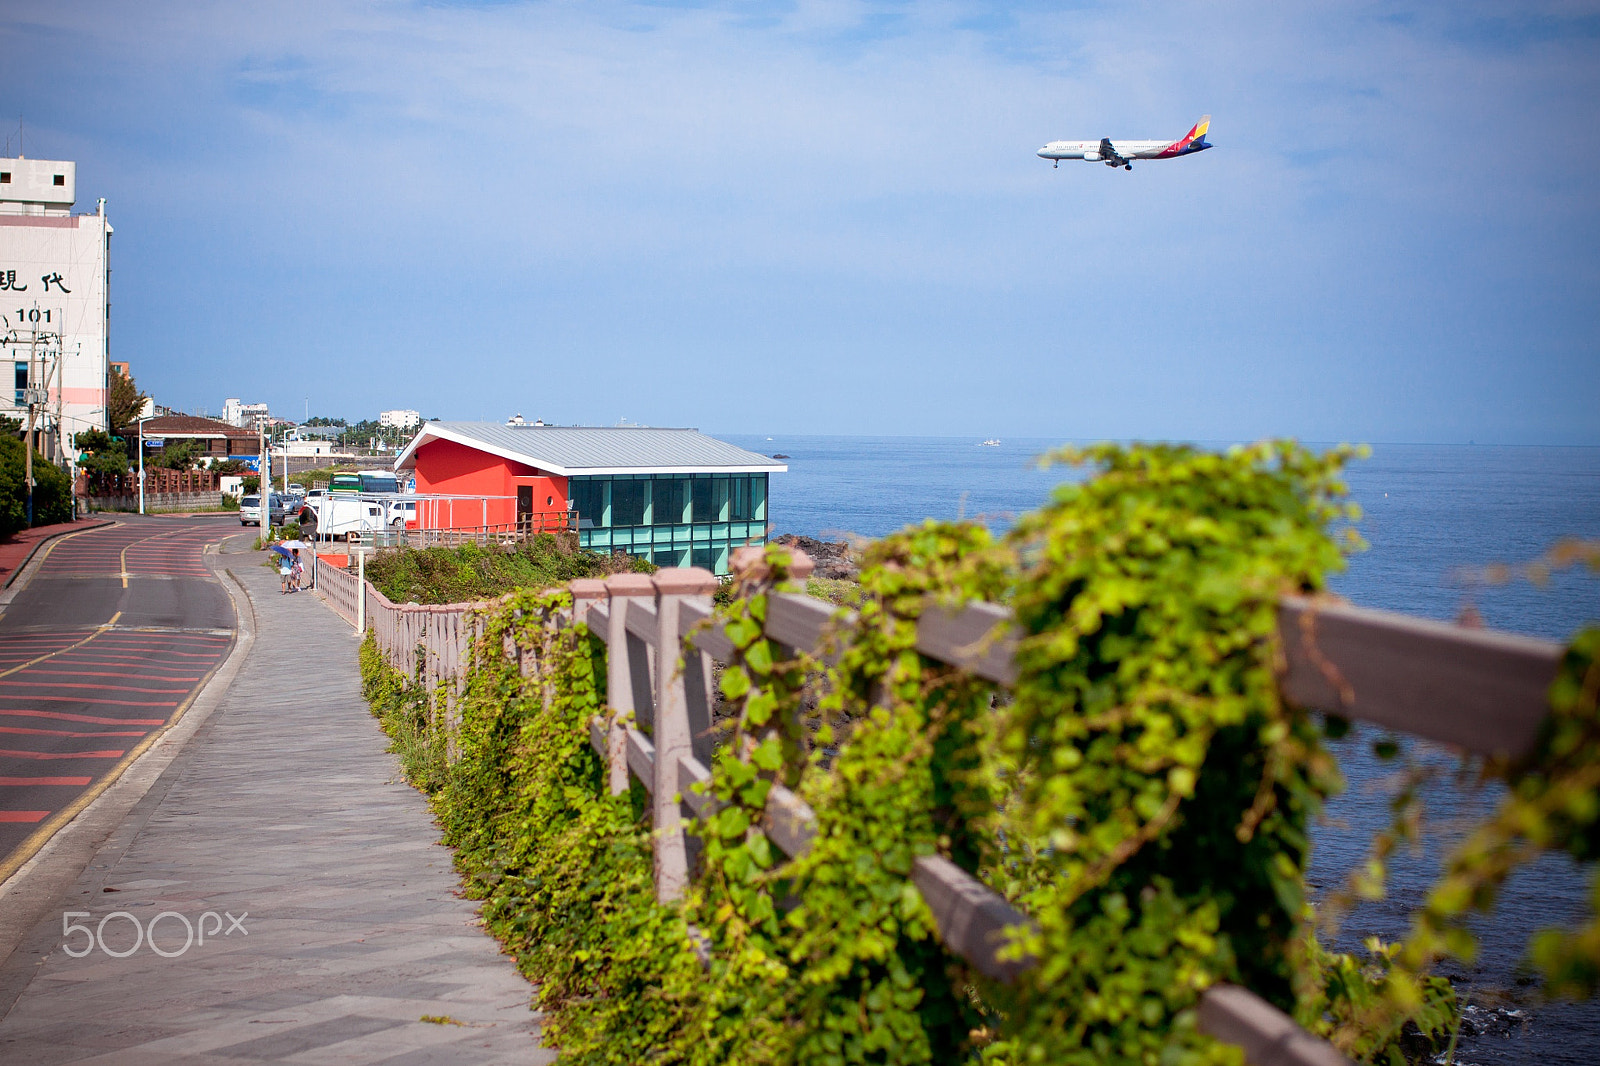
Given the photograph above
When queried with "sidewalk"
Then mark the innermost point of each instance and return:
(16, 549)
(285, 813)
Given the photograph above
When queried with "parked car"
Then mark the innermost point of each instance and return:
(402, 514)
(278, 510)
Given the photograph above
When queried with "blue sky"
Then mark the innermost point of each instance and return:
(828, 217)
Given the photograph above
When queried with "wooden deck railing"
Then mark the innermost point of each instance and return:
(504, 534)
(1476, 690)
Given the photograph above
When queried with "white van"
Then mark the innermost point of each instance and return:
(341, 515)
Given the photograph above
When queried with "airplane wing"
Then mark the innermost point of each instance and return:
(1107, 152)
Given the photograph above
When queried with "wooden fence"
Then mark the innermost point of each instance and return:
(444, 633)
(1473, 689)
(156, 479)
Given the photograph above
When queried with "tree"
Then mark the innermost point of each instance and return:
(126, 402)
(177, 455)
(103, 454)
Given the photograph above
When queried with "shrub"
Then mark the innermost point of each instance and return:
(476, 572)
(52, 489)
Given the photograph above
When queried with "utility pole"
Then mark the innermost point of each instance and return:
(266, 479)
(141, 465)
(32, 396)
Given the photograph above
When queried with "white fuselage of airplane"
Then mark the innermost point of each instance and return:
(1091, 150)
(1120, 153)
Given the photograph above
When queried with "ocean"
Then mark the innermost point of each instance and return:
(1433, 517)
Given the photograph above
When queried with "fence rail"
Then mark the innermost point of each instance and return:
(1479, 691)
(339, 587)
(504, 534)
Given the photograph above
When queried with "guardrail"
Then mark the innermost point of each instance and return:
(1477, 690)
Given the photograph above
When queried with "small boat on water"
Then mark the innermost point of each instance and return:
(992, 442)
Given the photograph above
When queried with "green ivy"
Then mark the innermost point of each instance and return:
(833, 957)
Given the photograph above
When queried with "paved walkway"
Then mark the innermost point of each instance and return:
(285, 813)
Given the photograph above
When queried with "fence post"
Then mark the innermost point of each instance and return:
(619, 676)
(361, 594)
(674, 735)
(586, 592)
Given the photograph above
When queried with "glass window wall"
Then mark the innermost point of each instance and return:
(672, 520)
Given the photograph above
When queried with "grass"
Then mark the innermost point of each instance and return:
(474, 572)
(838, 591)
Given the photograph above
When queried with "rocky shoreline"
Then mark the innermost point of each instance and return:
(836, 560)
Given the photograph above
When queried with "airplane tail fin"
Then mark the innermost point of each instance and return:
(1198, 133)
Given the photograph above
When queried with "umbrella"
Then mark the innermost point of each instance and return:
(281, 550)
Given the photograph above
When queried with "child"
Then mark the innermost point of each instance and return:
(285, 571)
(296, 572)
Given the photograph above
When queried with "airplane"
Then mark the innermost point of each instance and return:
(1123, 153)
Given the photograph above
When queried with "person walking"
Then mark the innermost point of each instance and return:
(285, 571)
(296, 572)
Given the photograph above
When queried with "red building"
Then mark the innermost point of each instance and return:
(675, 496)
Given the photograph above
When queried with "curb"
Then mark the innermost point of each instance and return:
(46, 540)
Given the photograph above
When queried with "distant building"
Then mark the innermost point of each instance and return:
(54, 309)
(306, 448)
(674, 496)
(244, 415)
(217, 440)
(399, 419)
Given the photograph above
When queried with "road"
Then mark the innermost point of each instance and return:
(105, 647)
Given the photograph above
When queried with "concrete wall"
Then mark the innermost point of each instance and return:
(158, 501)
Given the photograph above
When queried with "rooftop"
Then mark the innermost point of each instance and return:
(569, 450)
(191, 426)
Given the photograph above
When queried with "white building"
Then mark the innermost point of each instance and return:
(54, 311)
(296, 448)
(242, 414)
(399, 419)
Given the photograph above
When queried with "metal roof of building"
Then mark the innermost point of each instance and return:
(569, 450)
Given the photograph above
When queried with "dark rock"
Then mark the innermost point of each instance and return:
(780, 455)
(834, 559)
